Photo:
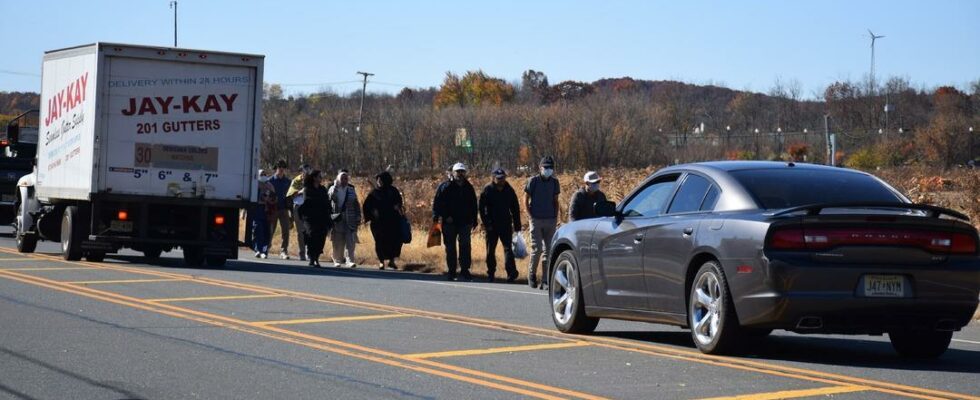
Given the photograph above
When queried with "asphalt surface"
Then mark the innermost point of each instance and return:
(123, 329)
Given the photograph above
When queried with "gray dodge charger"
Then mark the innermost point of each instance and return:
(737, 249)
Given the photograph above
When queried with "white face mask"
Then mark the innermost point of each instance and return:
(264, 178)
(547, 172)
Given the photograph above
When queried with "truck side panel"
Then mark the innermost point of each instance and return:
(178, 129)
(67, 125)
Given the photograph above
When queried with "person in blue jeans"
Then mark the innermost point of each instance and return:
(455, 206)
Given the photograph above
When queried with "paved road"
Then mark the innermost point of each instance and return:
(271, 329)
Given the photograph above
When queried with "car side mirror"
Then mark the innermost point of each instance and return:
(605, 209)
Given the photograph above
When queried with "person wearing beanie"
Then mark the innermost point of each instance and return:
(541, 201)
(584, 200)
(501, 215)
(282, 219)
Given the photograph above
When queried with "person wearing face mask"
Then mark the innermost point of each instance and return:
(584, 200)
(346, 218)
(455, 206)
(282, 219)
(541, 201)
(501, 215)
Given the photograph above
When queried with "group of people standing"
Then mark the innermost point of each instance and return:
(319, 211)
(456, 208)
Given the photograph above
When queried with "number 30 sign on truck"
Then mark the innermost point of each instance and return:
(145, 148)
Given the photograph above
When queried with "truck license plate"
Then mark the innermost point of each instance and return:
(121, 226)
(884, 286)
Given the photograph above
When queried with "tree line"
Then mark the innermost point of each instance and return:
(487, 121)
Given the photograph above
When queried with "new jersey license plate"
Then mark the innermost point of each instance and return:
(884, 286)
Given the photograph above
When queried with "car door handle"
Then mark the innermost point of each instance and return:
(688, 231)
(637, 238)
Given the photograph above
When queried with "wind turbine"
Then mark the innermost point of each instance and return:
(873, 38)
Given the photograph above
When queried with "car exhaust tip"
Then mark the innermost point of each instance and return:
(810, 323)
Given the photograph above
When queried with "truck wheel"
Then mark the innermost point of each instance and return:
(26, 242)
(152, 253)
(193, 256)
(95, 256)
(71, 234)
(920, 345)
(216, 261)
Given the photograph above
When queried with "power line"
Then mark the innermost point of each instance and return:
(9, 72)
(319, 84)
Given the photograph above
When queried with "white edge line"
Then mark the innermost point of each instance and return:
(966, 341)
(354, 273)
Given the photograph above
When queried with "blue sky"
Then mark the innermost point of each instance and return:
(740, 44)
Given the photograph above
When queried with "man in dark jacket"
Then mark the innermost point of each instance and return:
(584, 200)
(501, 215)
(455, 206)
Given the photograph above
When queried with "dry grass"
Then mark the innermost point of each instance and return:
(956, 189)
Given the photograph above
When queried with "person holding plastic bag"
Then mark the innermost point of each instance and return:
(501, 215)
(520, 246)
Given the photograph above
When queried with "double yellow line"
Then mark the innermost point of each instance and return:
(508, 384)
(480, 378)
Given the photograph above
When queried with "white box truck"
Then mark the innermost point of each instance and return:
(149, 148)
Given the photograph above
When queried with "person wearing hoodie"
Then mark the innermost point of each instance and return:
(295, 197)
(346, 218)
(455, 206)
(383, 209)
(584, 200)
(501, 215)
(262, 212)
(314, 215)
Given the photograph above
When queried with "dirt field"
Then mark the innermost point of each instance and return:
(957, 189)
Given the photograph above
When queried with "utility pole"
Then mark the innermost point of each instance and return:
(360, 114)
(830, 144)
(173, 5)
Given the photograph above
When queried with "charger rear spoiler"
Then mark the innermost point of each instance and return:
(931, 211)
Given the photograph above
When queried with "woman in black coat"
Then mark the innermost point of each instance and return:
(383, 209)
(315, 214)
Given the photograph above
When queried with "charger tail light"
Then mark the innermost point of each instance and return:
(797, 238)
(122, 215)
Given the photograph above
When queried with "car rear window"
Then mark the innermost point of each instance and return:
(784, 188)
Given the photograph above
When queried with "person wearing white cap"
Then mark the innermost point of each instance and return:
(584, 200)
(455, 207)
(263, 212)
(346, 218)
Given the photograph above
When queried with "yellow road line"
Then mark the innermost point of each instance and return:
(657, 350)
(317, 342)
(125, 281)
(793, 394)
(245, 296)
(495, 350)
(330, 319)
(18, 259)
(46, 269)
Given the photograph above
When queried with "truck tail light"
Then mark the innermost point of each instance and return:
(122, 215)
(219, 219)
